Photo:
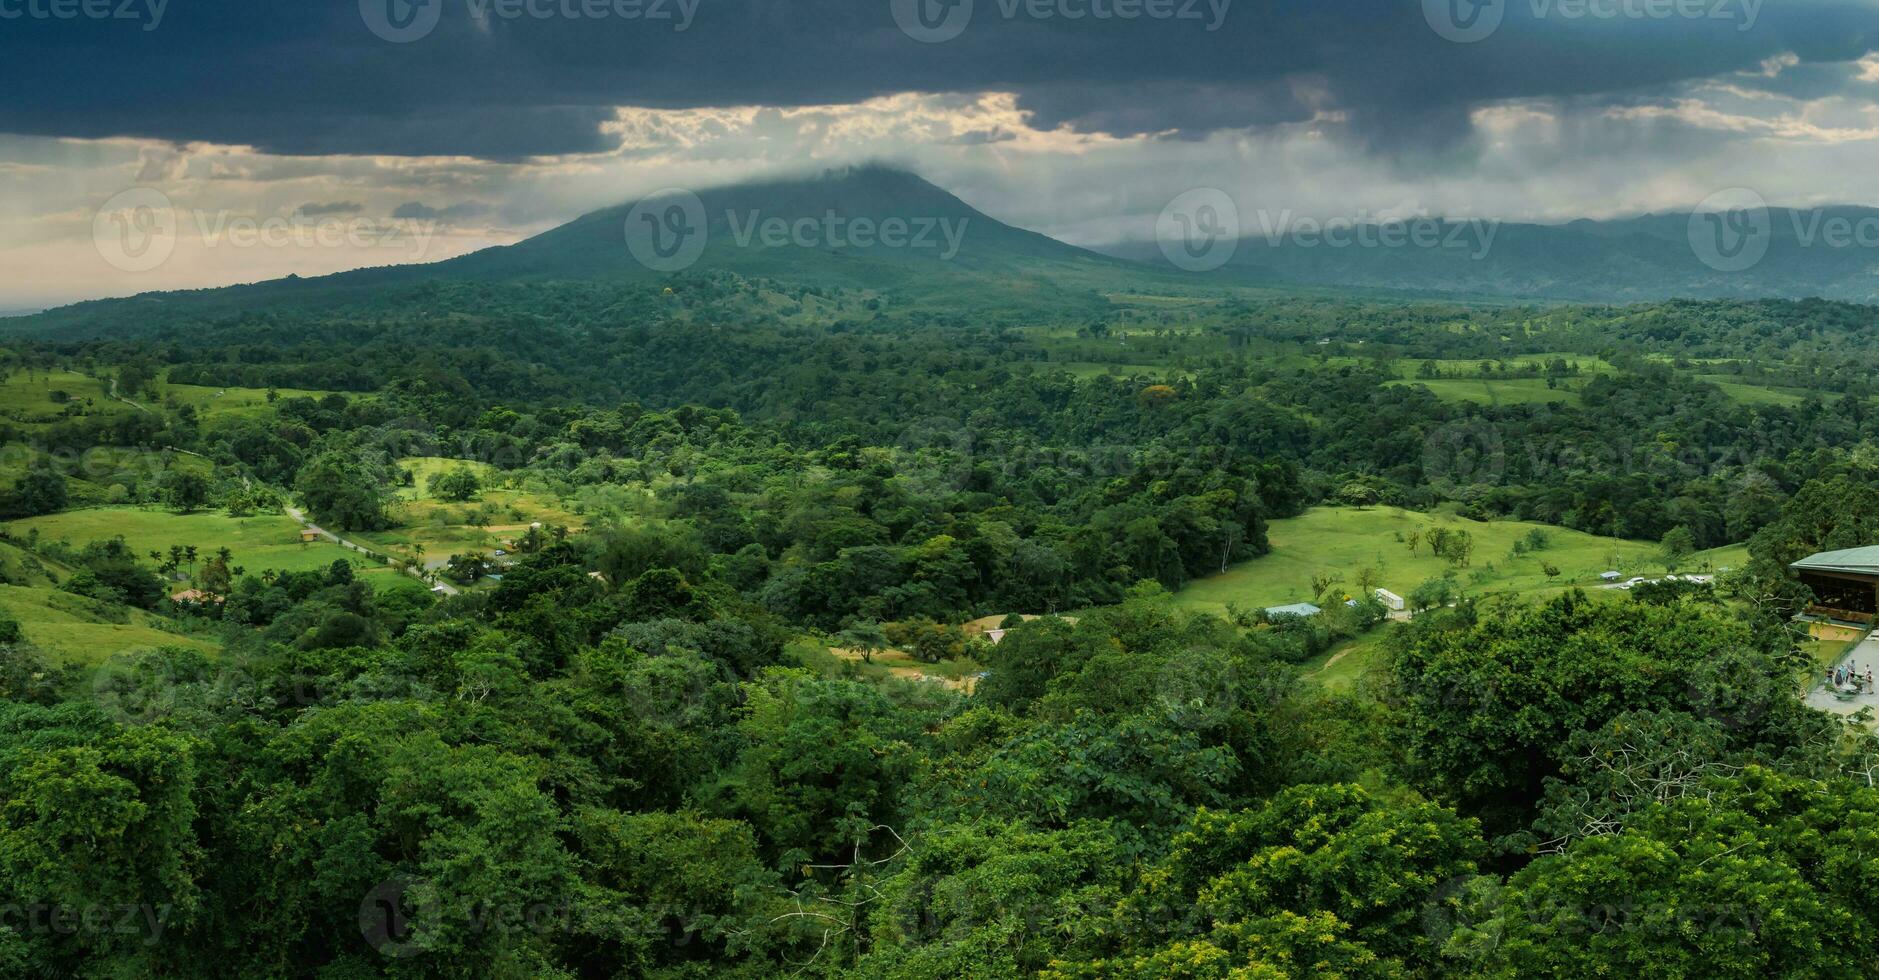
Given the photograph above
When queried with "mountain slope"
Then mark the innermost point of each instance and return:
(947, 257)
(1809, 253)
(777, 241)
(948, 232)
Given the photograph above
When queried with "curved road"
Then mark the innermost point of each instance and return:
(294, 512)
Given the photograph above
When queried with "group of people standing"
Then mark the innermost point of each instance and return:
(1847, 677)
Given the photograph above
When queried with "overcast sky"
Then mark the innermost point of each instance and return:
(351, 133)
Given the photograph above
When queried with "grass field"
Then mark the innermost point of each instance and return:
(28, 400)
(25, 398)
(1462, 384)
(80, 630)
(211, 402)
(21, 567)
(441, 529)
(90, 475)
(264, 541)
(1085, 370)
(1339, 541)
(1461, 380)
(1494, 391)
(424, 468)
(1748, 394)
(1470, 368)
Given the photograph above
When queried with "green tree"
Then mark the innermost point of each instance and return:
(1758, 876)
(99, 816)
(466, 568)
(183, 491)
(1433, 594)
(1678, 545)
(458, 485)
(1319, 878)
(865, 638)
(40, 491)
(1358, 495)
(825, 761)
(1491, 711)
(339, 491)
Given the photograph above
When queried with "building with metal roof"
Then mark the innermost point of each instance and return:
(1295, 609)
(1845, 583)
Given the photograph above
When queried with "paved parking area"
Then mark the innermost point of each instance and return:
(1865, 655)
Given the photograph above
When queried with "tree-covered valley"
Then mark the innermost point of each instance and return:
(722, 627)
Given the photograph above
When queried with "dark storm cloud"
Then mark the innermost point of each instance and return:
(323, 210)
(456, 212)
(288, 76)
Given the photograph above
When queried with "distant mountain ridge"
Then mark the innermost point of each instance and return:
(893, 233)
(888, 233)
(1831, 253)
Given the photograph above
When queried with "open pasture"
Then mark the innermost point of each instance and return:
(1339, 541)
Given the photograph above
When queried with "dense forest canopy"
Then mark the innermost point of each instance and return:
(690, 715)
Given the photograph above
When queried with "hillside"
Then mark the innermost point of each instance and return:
(1649, 257)
(1339, 543)
(869, 243)
(893, 241)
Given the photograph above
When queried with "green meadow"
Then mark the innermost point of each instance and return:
(1502, 391)
(213, 402)
(260, 542)
(441, 528)
(424, 468)
(32, 399)
(1085, 370)
(1338, 541)
(1751, 394)
(78, 629)
(21, 567)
